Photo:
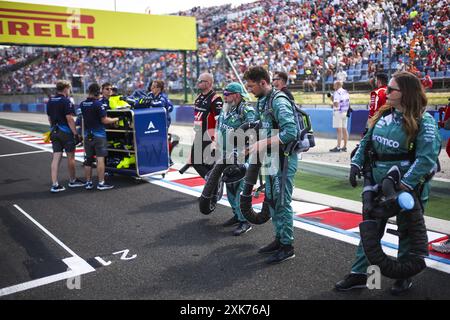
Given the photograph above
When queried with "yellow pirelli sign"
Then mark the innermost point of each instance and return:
(29, 24)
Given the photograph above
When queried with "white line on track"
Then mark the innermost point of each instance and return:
(83, 267)
(20, 153)
(45, 147)
(25, 142)
(76, 265)
(32, 139)
(305, 226)
(355, 241)
(48, 233)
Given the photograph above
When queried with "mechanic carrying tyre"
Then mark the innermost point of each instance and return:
(235, 112)
(404, 135)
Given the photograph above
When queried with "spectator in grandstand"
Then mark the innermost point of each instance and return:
(309, 84)
(279, 81)
(371, 69)
(427, 82)
(292, 75)
(207, 107)
(341, 104)
(403, 119)
(282, 117)
(63, 134)
(94, 119)
(292, 35)
(341, 75)
(378, 96)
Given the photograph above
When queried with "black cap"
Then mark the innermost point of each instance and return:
(382, 77)
(94, 89)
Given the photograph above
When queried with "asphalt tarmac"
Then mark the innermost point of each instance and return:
(152, 243)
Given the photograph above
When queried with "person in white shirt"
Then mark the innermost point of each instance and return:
(341, 104)
(341, 75)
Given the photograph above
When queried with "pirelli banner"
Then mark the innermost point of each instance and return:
(29, 24)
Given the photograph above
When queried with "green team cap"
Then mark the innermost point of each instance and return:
(235, 87)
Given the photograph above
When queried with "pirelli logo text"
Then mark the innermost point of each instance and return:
(30, 23)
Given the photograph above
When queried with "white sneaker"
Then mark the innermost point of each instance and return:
(442, 247)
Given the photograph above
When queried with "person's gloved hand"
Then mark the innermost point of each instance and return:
(234, 173)
(145, 101)
(354, 171)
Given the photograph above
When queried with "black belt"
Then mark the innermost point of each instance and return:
(393, 157)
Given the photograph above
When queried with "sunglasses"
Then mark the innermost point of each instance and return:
(390, 89)
(228, 93)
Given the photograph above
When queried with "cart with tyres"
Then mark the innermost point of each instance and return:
(138, 145)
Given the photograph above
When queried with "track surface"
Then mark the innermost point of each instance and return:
(180, 254)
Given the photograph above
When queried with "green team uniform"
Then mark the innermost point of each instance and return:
(388, 137)
(228, 122)
(281, 118)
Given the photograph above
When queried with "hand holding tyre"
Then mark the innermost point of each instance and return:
(354, 171)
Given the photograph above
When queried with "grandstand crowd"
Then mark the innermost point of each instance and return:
(291, 36)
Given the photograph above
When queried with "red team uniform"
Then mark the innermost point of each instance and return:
(427, 82)
(206, 111)
(441, 125)
(377, 99)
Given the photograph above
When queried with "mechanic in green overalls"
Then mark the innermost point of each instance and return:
(280, 117)
(235, 112)
(402, 134)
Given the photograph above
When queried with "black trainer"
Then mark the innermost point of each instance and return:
(242, 228)
(57, 188)
(401, 286)
(231, 222)
(352, 281)
(104, 186)
(284, 253)
(271, 247)
(76, 183)
(335, 149)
